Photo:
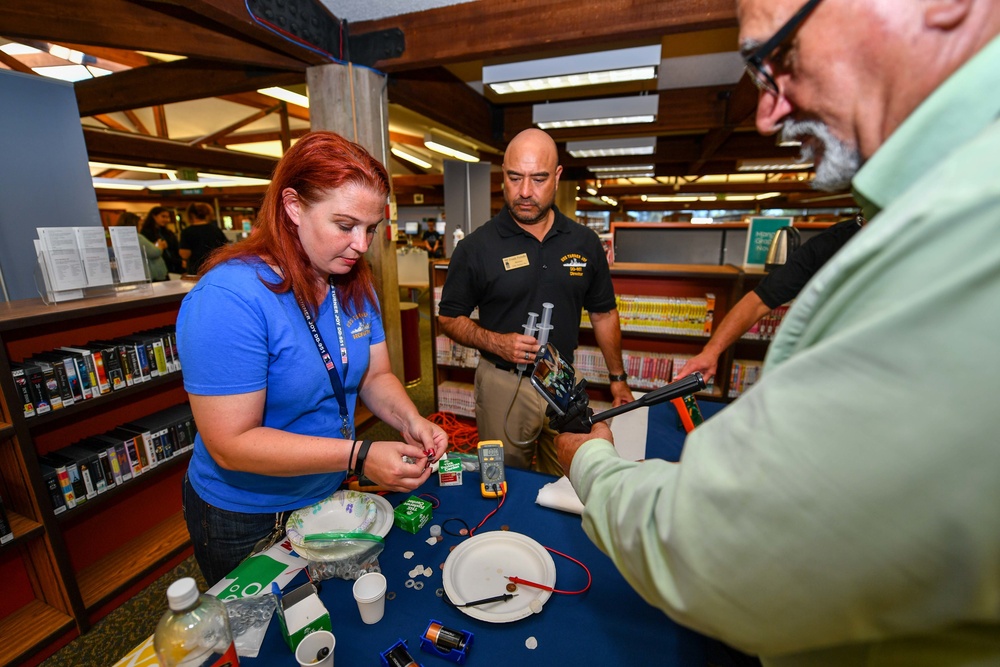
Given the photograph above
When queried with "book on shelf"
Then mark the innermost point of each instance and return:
(6, 532)
(109, 362)
(23, 393)
(74, 489)
(54, 385)
(126, 450)
(73, 390)
(108, 460)
(37, 388)
(146, 356)
(91, 472)
(85, 361)
(141, 446)
(50, 478)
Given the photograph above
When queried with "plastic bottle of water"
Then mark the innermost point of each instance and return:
(194, 632)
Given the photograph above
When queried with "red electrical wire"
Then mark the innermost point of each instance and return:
(503, 497)
(525, 582)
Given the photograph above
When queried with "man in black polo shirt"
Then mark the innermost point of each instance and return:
(528, 254)
(777, 288)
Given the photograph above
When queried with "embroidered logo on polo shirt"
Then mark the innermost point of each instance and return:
(575, 262)
(359, 326)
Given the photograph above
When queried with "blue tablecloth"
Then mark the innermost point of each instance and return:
(608, 625)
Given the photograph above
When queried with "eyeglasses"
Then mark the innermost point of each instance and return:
(757, 62)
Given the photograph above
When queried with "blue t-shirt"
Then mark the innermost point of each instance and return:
(236, 336)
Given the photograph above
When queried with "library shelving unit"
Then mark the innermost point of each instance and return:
(63, 572)
(685, 281)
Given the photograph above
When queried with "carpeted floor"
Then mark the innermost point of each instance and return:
(123, 629)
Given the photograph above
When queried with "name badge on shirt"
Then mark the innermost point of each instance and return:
(515, 261)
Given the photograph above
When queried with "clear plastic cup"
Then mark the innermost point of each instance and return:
(369, 592)
(316, 649)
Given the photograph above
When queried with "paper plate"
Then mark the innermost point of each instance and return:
(342, 512)
(477, 567)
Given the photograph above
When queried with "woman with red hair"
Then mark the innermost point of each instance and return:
(279, 338)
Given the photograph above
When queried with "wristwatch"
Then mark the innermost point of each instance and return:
(621, 377)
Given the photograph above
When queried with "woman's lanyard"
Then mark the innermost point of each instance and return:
(346, 428)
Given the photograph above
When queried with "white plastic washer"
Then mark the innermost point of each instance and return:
(410, 583)
(417, 585)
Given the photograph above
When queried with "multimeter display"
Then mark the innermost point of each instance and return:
(491, 469)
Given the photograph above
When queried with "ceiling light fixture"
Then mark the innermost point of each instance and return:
(612, 147)
(585, 69)
(588, 113)
(773, 164)
(410, 157)
(627, 174)
(101, 166)
(285, 95)
(601, 169)
(450, 147)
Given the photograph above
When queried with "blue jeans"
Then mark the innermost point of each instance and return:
(223, 539)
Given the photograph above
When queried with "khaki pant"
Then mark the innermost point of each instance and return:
(526, 423)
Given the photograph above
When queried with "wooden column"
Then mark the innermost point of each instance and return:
(352, 102)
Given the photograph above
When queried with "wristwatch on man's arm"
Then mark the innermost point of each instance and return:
(619, 377)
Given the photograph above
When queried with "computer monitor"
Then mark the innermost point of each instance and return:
(440, 226)
(411, 228)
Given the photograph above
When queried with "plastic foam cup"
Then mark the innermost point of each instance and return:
(316, 649)
(369, 591)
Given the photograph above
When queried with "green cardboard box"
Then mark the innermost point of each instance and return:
(301, 613)
(412, 514)
(450, 472)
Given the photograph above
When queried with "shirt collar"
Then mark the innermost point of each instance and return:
(508, 227)
(959, 109)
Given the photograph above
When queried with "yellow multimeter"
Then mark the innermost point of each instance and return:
(493, 481)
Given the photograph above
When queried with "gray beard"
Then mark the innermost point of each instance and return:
(839, 161)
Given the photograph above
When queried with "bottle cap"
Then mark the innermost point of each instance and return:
(182, 594)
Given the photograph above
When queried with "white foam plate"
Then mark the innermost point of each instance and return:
(341, 512)
(477, 567)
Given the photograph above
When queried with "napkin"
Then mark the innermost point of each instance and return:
(560, 495)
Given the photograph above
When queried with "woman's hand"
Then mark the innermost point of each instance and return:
(388, 465)
(430, 437)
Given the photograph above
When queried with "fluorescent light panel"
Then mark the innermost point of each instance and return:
(773, 164)
(449, 147)
(588, 113)
(612, 147)
(585, 69)
(285, 95)
(410, 157)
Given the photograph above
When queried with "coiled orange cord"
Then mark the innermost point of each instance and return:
(462, 437)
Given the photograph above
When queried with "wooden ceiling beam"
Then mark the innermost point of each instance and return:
(259, 101)
(137, 122)
(229, 129)
(466, 111)
(488, 29)
(139, 26)
(111, 122)
(15, 64)
(110, 146)
(177, 81)
(256, 137)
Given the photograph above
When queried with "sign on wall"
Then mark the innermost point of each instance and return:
(759, 238)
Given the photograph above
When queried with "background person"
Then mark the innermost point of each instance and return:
(845, 510)
(528, 254)
(275, 426)
(152, 251)
(433, 242)
(779, 286)
(200, 237)
(157, 228)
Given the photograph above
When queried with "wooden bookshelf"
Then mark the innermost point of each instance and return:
(60, 568)
(726, 282)
(30, 627)
(130, 562)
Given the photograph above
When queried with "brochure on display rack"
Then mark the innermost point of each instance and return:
(73, 260)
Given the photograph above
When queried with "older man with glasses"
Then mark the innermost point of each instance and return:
(846, 510)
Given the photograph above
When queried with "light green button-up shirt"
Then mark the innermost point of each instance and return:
(846, 510)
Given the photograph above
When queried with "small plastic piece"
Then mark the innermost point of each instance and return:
(435, 530)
